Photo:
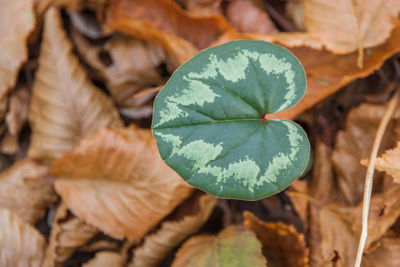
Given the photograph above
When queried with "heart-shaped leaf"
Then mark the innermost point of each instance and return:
(209, 120)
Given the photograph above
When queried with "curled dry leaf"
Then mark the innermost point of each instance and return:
(295, 11)
(245, 16)
(195, 212)
(26, 191)
(20, 243)
(17, 20)
(282, 245)
(354, 144)
(18, 110)
(65, 106)
(67, 234)
(117, 182)
(388, 162)
(234, 246)
(168, 17)
(106, 259)
(344, 26)
(128, 66)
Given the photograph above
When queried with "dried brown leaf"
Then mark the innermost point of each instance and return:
(26, 191)
(128, 66)
(202, 7)
(65, 105)
(345, 25)
(235, 246)
(384, 210)
(387, 254)
(117, 182)
(168, 17)
(326, 72)
(282, 245)
(17, 20)
(67, 234)
(18, 110)
(332, 242)
(354, 144)
(388, 162)
(156, 247)
(245, 16)
(106, 259)
(21, 245)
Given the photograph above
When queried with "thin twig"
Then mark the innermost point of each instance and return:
(370, 173)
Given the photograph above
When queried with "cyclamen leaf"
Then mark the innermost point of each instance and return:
(210, 126)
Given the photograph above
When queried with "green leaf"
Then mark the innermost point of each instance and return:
(210, 127)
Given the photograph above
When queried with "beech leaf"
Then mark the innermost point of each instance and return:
(26, 191)
(156, 246)
(20, 243)
(65, 105)
(232, 247)
(117, 182)
(17, 20)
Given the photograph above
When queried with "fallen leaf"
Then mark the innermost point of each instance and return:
(354, 144)
(20, 244)
(9, 144)
(18, 21)
(106, 259)
(346, 25)
(128, 66)
(332, 242)
(298, 192)
(117, 182)
(18, 110)
(387, 254)
(65, 106)
(168, 17)
(67, 234)
(156, 246)
(26, 191)
(245, 16)
(295, 11)
(282, 245)
(234, 246)
(384, 210)
(202, 7)
(326, 72)
(388, 162)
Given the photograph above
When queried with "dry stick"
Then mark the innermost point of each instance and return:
(369, 176)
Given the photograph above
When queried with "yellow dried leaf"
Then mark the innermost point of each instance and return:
(156, 247)
(20, 244)
(65, 106)
(26, 191)
(117, 182)
(235, 246)
(106, 259)
(17, 20)
(282, 245)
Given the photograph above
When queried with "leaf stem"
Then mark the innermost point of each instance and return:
(369, 176)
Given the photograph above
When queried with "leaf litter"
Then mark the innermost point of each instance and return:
(75, 75)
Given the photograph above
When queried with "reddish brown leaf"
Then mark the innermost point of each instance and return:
(282, 245)
(117, 182)
(166, 16)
